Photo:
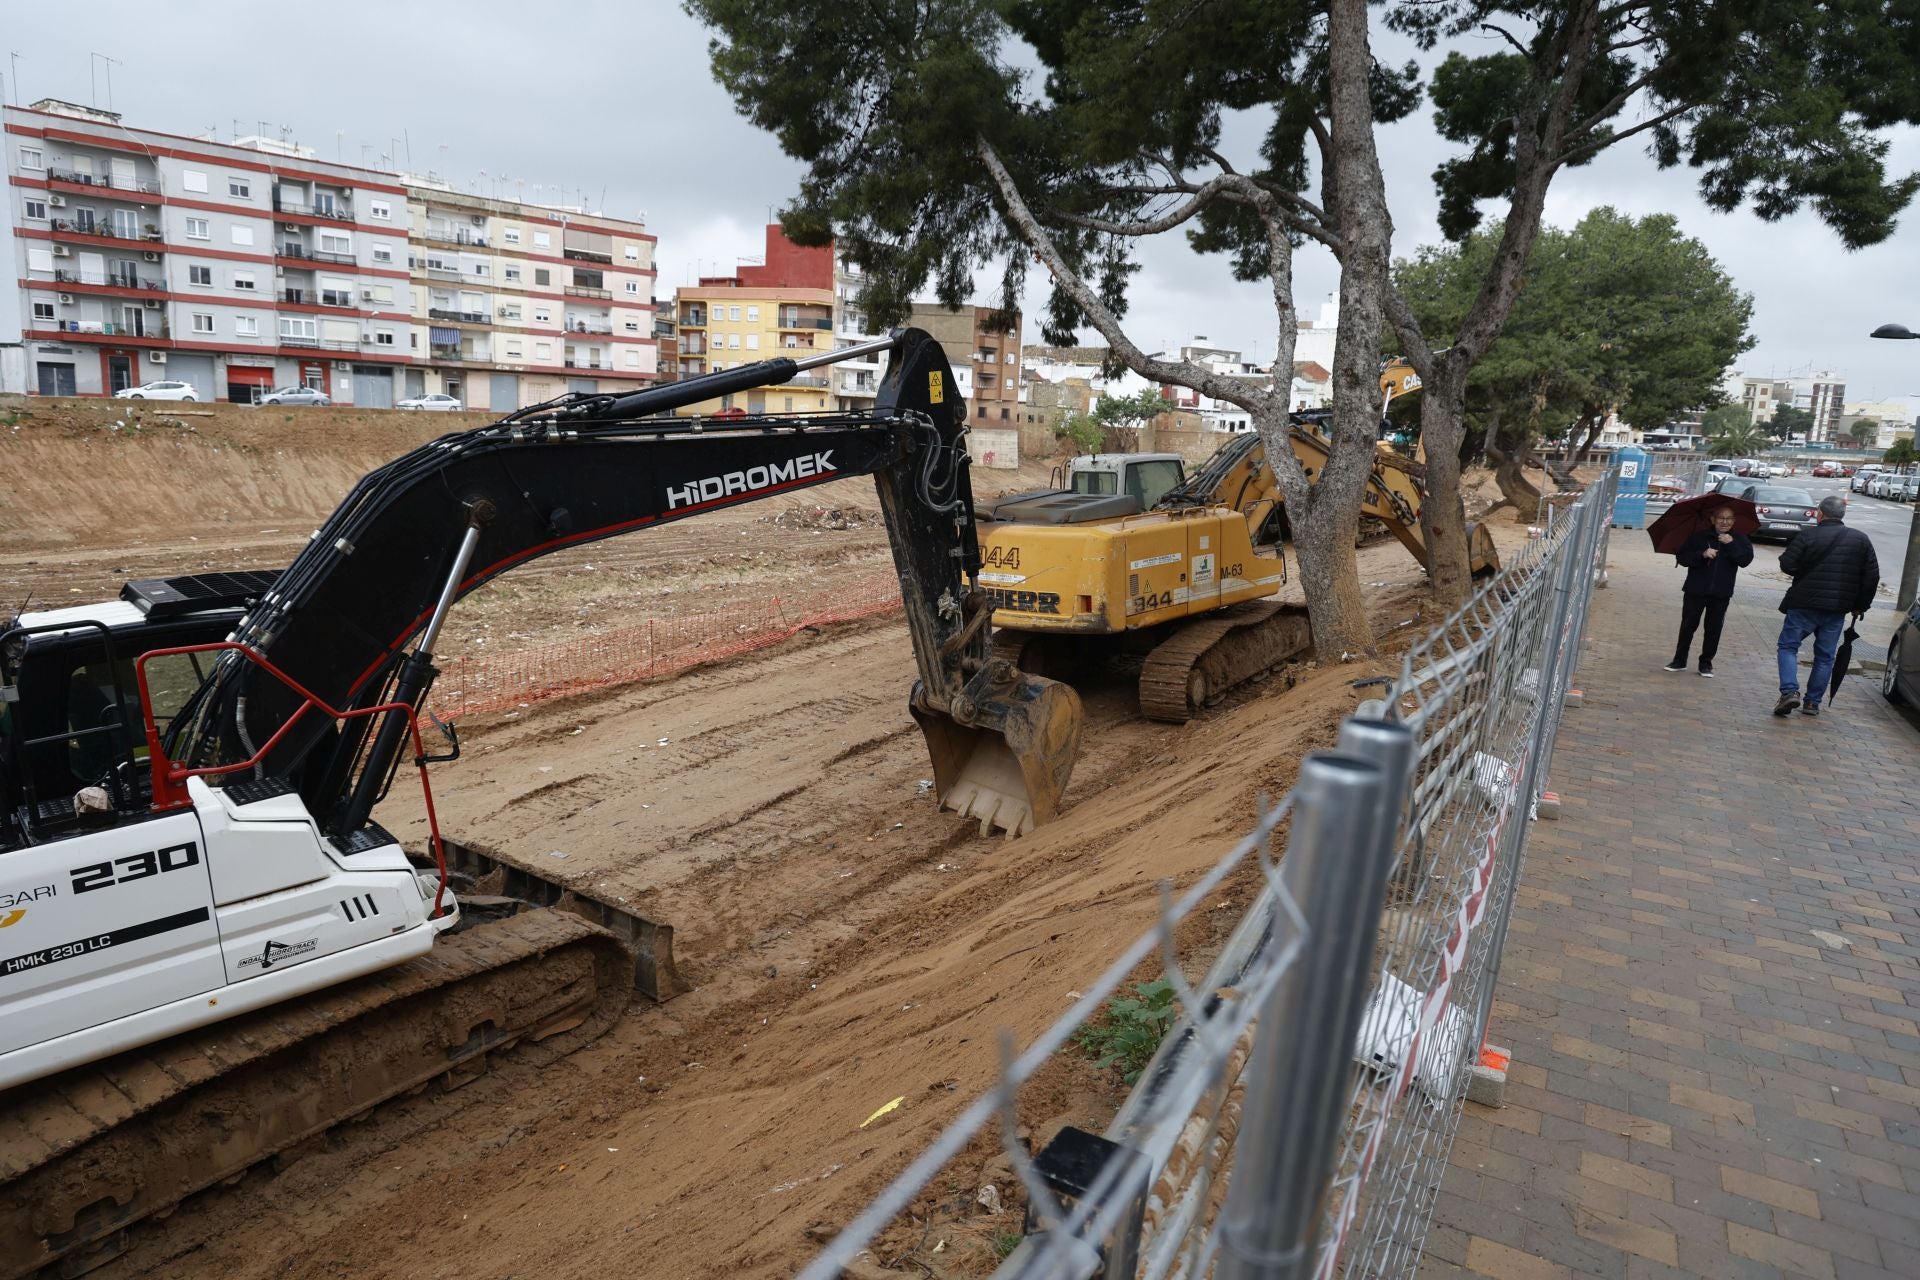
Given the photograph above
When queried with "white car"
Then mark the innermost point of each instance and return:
(296, 395)
(432, 400)
(158, 391)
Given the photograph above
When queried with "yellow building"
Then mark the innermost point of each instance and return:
(723, 325)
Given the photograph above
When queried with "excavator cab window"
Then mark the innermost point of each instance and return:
(1103, 483)
(1152, 480)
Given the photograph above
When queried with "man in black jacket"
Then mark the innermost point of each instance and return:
(1713, 557)
(1834, 572)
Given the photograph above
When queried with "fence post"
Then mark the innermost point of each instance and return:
(1336, 870)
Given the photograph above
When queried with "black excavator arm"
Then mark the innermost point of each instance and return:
(425, 529)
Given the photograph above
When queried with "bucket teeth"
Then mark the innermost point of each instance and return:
(1007, 766)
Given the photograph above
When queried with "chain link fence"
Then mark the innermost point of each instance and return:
(1297, 1117)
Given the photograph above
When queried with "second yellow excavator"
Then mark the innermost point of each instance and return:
(1136, 556)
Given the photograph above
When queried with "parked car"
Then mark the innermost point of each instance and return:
(1901, 680)
(1720, 468)
(1733, 486)
(1828, 470)
(432, 400)
(1783, 512)
(296, 395)
(1778, 469)
(1906, 490)
(159, 391)
(1862, 475)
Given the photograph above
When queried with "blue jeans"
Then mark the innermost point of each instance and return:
(1825, 630)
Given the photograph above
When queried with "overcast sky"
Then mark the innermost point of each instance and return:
(613, 104)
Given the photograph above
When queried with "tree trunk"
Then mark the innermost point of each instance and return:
(1329, 570)
(1443, 516)
(1509, 472)
(1592, 422)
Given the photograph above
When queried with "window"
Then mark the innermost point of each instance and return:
(383, 337)
(633, 359)
(542, 315)
(1003, 415)
(542, 240)
(509, 312)
(43, 311)
(589, 279)
(382, 294)
(753, 313)
(513, 351)
(633, 286)
(197, 229)
(753, 342)
(789, 408)
(543, 350)
(243, 280)
(203, 322)
(511, 235)
(513, 273)
(733, 341)
(37, 209)
(193, 180)
(733, 313)
(334, 242)
(633, 326)
(382, 253)
(39, 259)
(239, 188)
(246, 326)
(30, 158)
(482, 268)
(542, 275)
(242, 235)
(380, 210)
(633, 253)
(199, 275)
(298, 327)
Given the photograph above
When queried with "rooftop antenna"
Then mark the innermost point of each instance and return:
(14, 59)
(408, 139)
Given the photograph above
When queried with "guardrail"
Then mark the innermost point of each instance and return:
(1319, 1066)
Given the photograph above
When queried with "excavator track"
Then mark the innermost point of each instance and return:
(94, 1150)
(1203, 660)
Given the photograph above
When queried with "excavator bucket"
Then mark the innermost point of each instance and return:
(1009, 762)
(1480, 551)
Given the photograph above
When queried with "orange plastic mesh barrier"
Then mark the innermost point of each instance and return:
(658, 647)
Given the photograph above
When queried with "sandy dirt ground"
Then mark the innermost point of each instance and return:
(847, 942)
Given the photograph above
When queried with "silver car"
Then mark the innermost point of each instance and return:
(1783, 512)
(296, 395)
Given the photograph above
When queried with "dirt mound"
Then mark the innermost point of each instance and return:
(816, 518)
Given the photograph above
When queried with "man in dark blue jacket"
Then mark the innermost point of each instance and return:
(1713, 557)
(1834, 572)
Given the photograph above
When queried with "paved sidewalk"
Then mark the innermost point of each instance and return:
(1712, 980)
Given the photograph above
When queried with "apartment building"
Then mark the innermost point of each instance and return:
(135, 255)
(986, 356)
(138, 255)
(781, 306)
(517, 303)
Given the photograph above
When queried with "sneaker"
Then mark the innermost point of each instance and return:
(1788, 701)
(1676, 665)
(1706, 669)
(1811, 709)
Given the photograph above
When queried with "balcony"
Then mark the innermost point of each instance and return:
(807, 380)
(806, 322)
(68, 228)
(859, 384)
(453, 235)
(588, 364)
(105, 188)
(336, 298)
(329, 209)
(586, 255)
(692, 347)
(108, 280)
(463, 317)
(581, 291)
(694, 320)
(140, 328)
(329, 344)
(588, 326)
(301, 253)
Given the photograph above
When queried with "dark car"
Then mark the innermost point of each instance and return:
(1732, 486)
(1901, 680)
(1783, 512)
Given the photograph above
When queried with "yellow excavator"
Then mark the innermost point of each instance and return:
(1134, 555)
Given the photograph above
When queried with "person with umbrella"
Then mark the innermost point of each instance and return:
(1703, 534)
(1834, 572)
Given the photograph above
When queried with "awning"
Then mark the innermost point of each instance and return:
(443, 337)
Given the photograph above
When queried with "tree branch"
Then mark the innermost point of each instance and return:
(1504, 34)
(1607, 109)
(1181, 372)
(1601, 144)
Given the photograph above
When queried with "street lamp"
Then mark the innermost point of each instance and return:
(1910, 571)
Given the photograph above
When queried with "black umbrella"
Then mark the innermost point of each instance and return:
(1842, 660)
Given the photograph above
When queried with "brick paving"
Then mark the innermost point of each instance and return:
(1712, 978)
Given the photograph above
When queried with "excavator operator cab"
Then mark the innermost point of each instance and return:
(70, 715)
(1148, 477)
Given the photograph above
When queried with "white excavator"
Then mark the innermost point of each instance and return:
(210, 950)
